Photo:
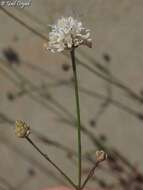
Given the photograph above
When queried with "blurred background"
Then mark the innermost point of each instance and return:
(36, 86)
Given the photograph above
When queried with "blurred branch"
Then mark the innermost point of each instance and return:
(29, 176)
(94, 139)
(104, 74)
(22, 23)
(6, 183)
(50, 161)
(108, 99)
(114, 81)
(30, 159)
(113, 153)
(33, 18)
(38, 89)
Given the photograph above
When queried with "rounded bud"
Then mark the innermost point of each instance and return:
(100, 156)
(22, 130)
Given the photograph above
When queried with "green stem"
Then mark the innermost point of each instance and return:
(78, 115)
(51, 162)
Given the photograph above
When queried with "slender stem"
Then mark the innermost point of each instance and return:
(91, 173)
(47, 158)
(78, 115)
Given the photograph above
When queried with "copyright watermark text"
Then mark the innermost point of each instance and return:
(16, 3)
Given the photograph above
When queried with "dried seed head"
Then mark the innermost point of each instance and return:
(101, 156)
(22, 130)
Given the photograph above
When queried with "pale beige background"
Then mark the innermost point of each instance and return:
(117, 29)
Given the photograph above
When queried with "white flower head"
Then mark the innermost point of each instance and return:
(66, 34)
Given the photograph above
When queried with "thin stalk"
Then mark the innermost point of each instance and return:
(78, 116)
(91, 173)
(51, 162)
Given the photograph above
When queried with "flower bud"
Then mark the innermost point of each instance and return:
(100, 156)
(22, 130)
